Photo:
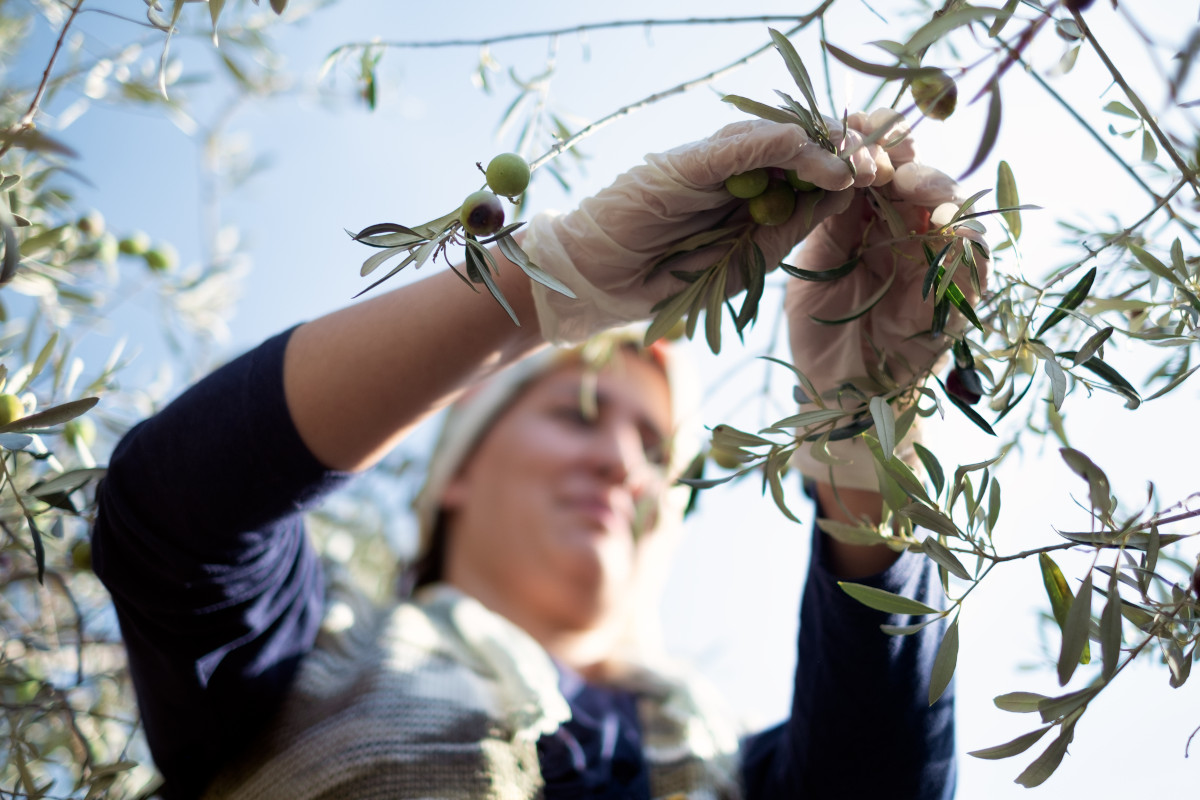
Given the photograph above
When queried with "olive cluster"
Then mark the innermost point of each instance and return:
(482, 213)
(770, 193)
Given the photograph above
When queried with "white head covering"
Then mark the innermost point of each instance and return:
(468, 419)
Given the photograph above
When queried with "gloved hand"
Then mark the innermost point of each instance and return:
(604, 250)
(889, 345)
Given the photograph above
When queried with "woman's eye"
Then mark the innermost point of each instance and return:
(656, 452)
(575, 415)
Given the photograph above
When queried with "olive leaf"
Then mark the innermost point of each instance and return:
(1015, 747)
(1075, 632)
(1006, 195)
(1019, 702)
(944, 663)
(1071, 300)
(885, 601)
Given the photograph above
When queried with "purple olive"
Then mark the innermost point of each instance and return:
(482, 214)
(964, 384)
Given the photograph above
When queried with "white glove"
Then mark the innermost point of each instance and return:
(604, 249)
(892, 339)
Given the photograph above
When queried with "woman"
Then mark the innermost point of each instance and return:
(514, 673)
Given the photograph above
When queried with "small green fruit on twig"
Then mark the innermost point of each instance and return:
(80, 431)
(81, 555)
(748, 184)
(508, 174)
(135, 244)
(91, 224)
(774, 206)
(725, 459)
(11, 408)
(162, 258)
(936, 95)
(481, 214)
(798, 183)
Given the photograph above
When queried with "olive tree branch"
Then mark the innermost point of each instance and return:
(1147, 117)
(686, 86)
(592, 26)
(26, 120)
(1125, 234)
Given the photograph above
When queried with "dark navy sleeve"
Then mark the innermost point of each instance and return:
(861, 725)
(200, 540)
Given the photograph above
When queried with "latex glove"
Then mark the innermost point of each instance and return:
(887, 346)
(894, 148)
(604, 249)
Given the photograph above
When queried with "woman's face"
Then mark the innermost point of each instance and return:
(542, 519)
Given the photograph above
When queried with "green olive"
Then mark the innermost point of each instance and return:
(748, 184)
(11, 408)
(81, 555)
(508, 174)
(162, 258)
(798, 183)
(482, 213)
(774, 206)
(936, 95)
(135, 244)
(80, 431)
(91, 224)
(725, 459)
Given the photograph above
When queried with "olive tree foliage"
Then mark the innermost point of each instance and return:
(1036, 342)
(68, 719)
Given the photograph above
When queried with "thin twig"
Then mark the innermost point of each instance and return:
(27, 120)
(1147, 117)
(513, 37)
(1123, 235)
(686, 86)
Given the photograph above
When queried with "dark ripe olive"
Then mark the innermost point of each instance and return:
(964, 384)
(482, 213)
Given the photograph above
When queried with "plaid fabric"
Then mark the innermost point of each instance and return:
(440, 698)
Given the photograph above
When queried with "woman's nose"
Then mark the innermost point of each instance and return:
(618, 454)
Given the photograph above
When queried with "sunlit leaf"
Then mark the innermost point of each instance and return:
(1015, 747)
(932, 466)
(942, 24)
(859, 535)
(944, 663)
(1019, 702)
(885, 424)
(991, 130)
(1149, 148)
(1094, 343)
(56, 415)
(885, 601)
(879, 70)
(1045, 764)
(798, 72)
(1006, 195)
(1075, 632)
(1071, 300)
(937, 551)
(1114, 378)
(761, 110)
(1110, 628)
